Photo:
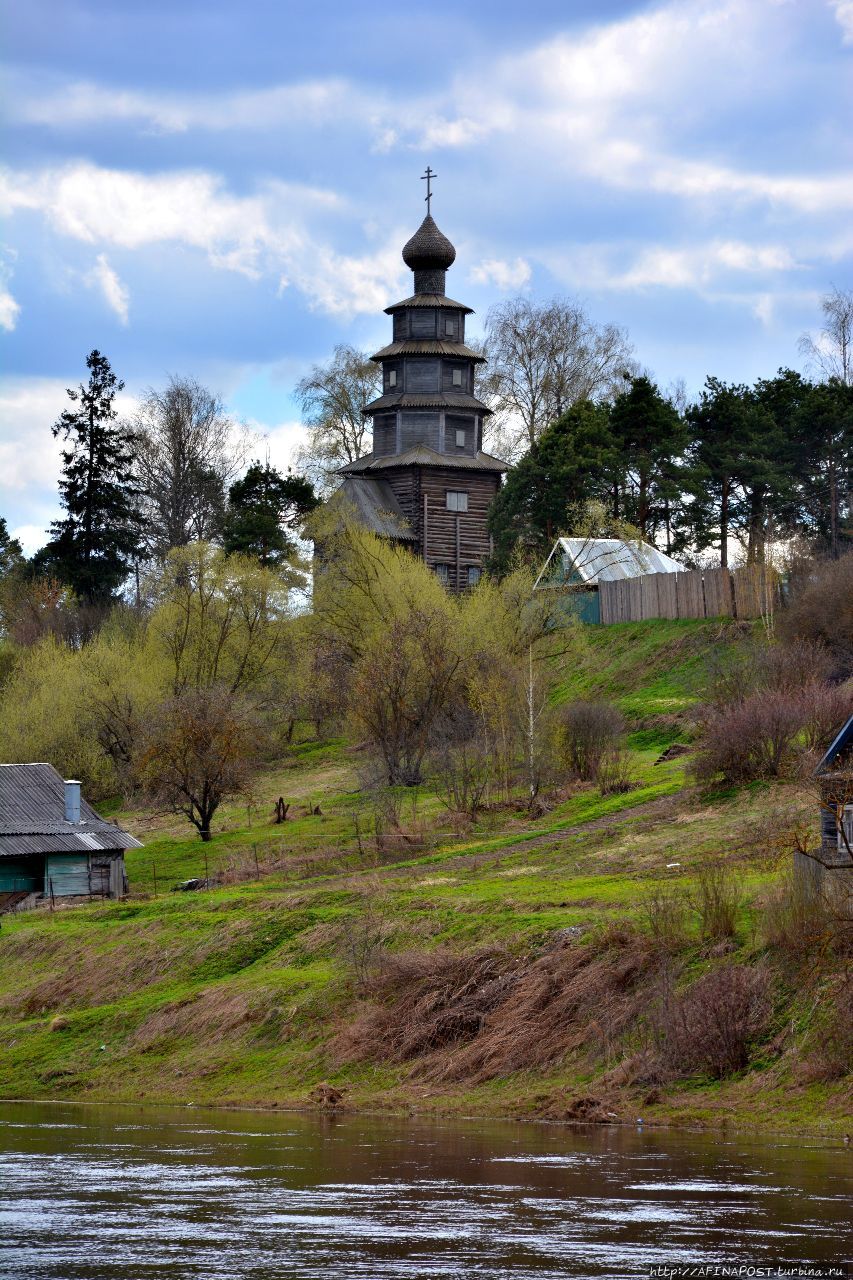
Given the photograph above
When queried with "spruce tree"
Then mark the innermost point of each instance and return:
(11, 552)
(264, 510)
(92, 547)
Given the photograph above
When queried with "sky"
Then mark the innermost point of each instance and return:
(222, 190)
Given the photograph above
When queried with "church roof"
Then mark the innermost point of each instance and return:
(420, 455)
(375, 505)
(429, 300)
(427, 400)
(429, 249)
(427, 347)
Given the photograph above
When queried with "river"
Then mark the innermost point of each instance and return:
(143, 1193)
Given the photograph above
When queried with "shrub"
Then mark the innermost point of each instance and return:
(664, 911)
(795, 918)
(710, 1026)
(589, 733)
(717, 898)
(754, 738)
(820, 608)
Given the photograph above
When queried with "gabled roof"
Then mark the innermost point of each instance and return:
(32, 816)
(610, 559)
(374, 505)
(841, 744)
(422, 456)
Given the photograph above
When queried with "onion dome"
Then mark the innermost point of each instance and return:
(429, 253)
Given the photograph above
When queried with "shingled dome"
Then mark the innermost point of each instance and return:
(429, 249)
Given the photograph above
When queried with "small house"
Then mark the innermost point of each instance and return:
(52, 842)
(578, 566)
(834, 777)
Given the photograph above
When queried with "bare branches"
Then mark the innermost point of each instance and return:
(831, 353)
(332, 397)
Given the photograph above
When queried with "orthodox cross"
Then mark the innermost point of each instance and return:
(427, 178)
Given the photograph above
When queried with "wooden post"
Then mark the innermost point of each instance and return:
(50, 887)
(426, 519)
(458, 584)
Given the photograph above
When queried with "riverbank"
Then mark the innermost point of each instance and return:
(570, 966)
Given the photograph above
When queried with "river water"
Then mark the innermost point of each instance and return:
(144, 1193)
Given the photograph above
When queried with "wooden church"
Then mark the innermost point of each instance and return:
(428, 481)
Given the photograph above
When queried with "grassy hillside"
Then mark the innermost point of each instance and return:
(516, 966)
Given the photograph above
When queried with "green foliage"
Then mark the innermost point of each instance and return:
(265, 508)
(93, 545)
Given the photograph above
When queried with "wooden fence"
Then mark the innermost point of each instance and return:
(749, 592)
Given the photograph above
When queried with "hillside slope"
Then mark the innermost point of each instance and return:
(519, 966)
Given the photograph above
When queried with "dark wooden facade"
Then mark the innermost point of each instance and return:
(428, 425)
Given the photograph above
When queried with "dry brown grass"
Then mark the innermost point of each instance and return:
(477, 1016)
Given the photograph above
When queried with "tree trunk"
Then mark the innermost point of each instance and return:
(724, 525)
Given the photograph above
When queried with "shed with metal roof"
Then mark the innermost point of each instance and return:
(53, 844)
(578, 565)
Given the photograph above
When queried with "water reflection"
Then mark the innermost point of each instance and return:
(148, 1193)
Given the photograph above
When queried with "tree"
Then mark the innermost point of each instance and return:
(93, 546)
(265, 508)
(543, 358)
(824, 465)
(11, 552)
(199, 750)
(566, 466)
(332, 397)
(190, 451)
(831, 353)
(648, 437)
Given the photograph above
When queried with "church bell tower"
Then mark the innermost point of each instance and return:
(427, 479)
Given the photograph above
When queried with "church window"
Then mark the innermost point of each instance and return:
(392, 378)
(457, 377)
(457, 501)
(473, 575)
(450, 327)
(460, 439)
(442, 572)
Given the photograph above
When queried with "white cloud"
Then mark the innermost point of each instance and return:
(116, 295)
(274, 231)
(282, 440)
(843, 10)
(693, 266)
(504, 275)
(9, 310)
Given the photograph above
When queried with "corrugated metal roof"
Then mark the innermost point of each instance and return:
(421, 455)
(433, 400)
(375, 506)
(32, 806)
(611, 559)
(428, 300)
(428, 347)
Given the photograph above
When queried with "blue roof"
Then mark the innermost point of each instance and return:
(840, 744)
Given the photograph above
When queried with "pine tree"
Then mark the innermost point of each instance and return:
(11, 552)
(92, 547)
(566, 467)
(264, 510)
(649, 437)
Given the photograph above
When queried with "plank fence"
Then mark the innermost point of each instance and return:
(749, 592)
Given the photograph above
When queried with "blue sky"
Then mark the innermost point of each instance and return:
(223, 190)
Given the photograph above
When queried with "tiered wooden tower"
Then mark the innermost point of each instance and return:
(428, 479)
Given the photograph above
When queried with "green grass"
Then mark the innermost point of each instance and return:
(239, 994)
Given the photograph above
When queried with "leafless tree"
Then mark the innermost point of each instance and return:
(191, 450)
(198, 750)
(332, 397)
(831, 353)
(544, 357)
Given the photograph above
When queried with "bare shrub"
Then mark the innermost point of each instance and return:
(825, 709)
(834, 1044)
(795, 919)
(664, 912)
(461, 759)
(589, 732)
(363, 938)
(711, 1026)
(751, 739)
(613, 774)
(717, 899)
(820, 608)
